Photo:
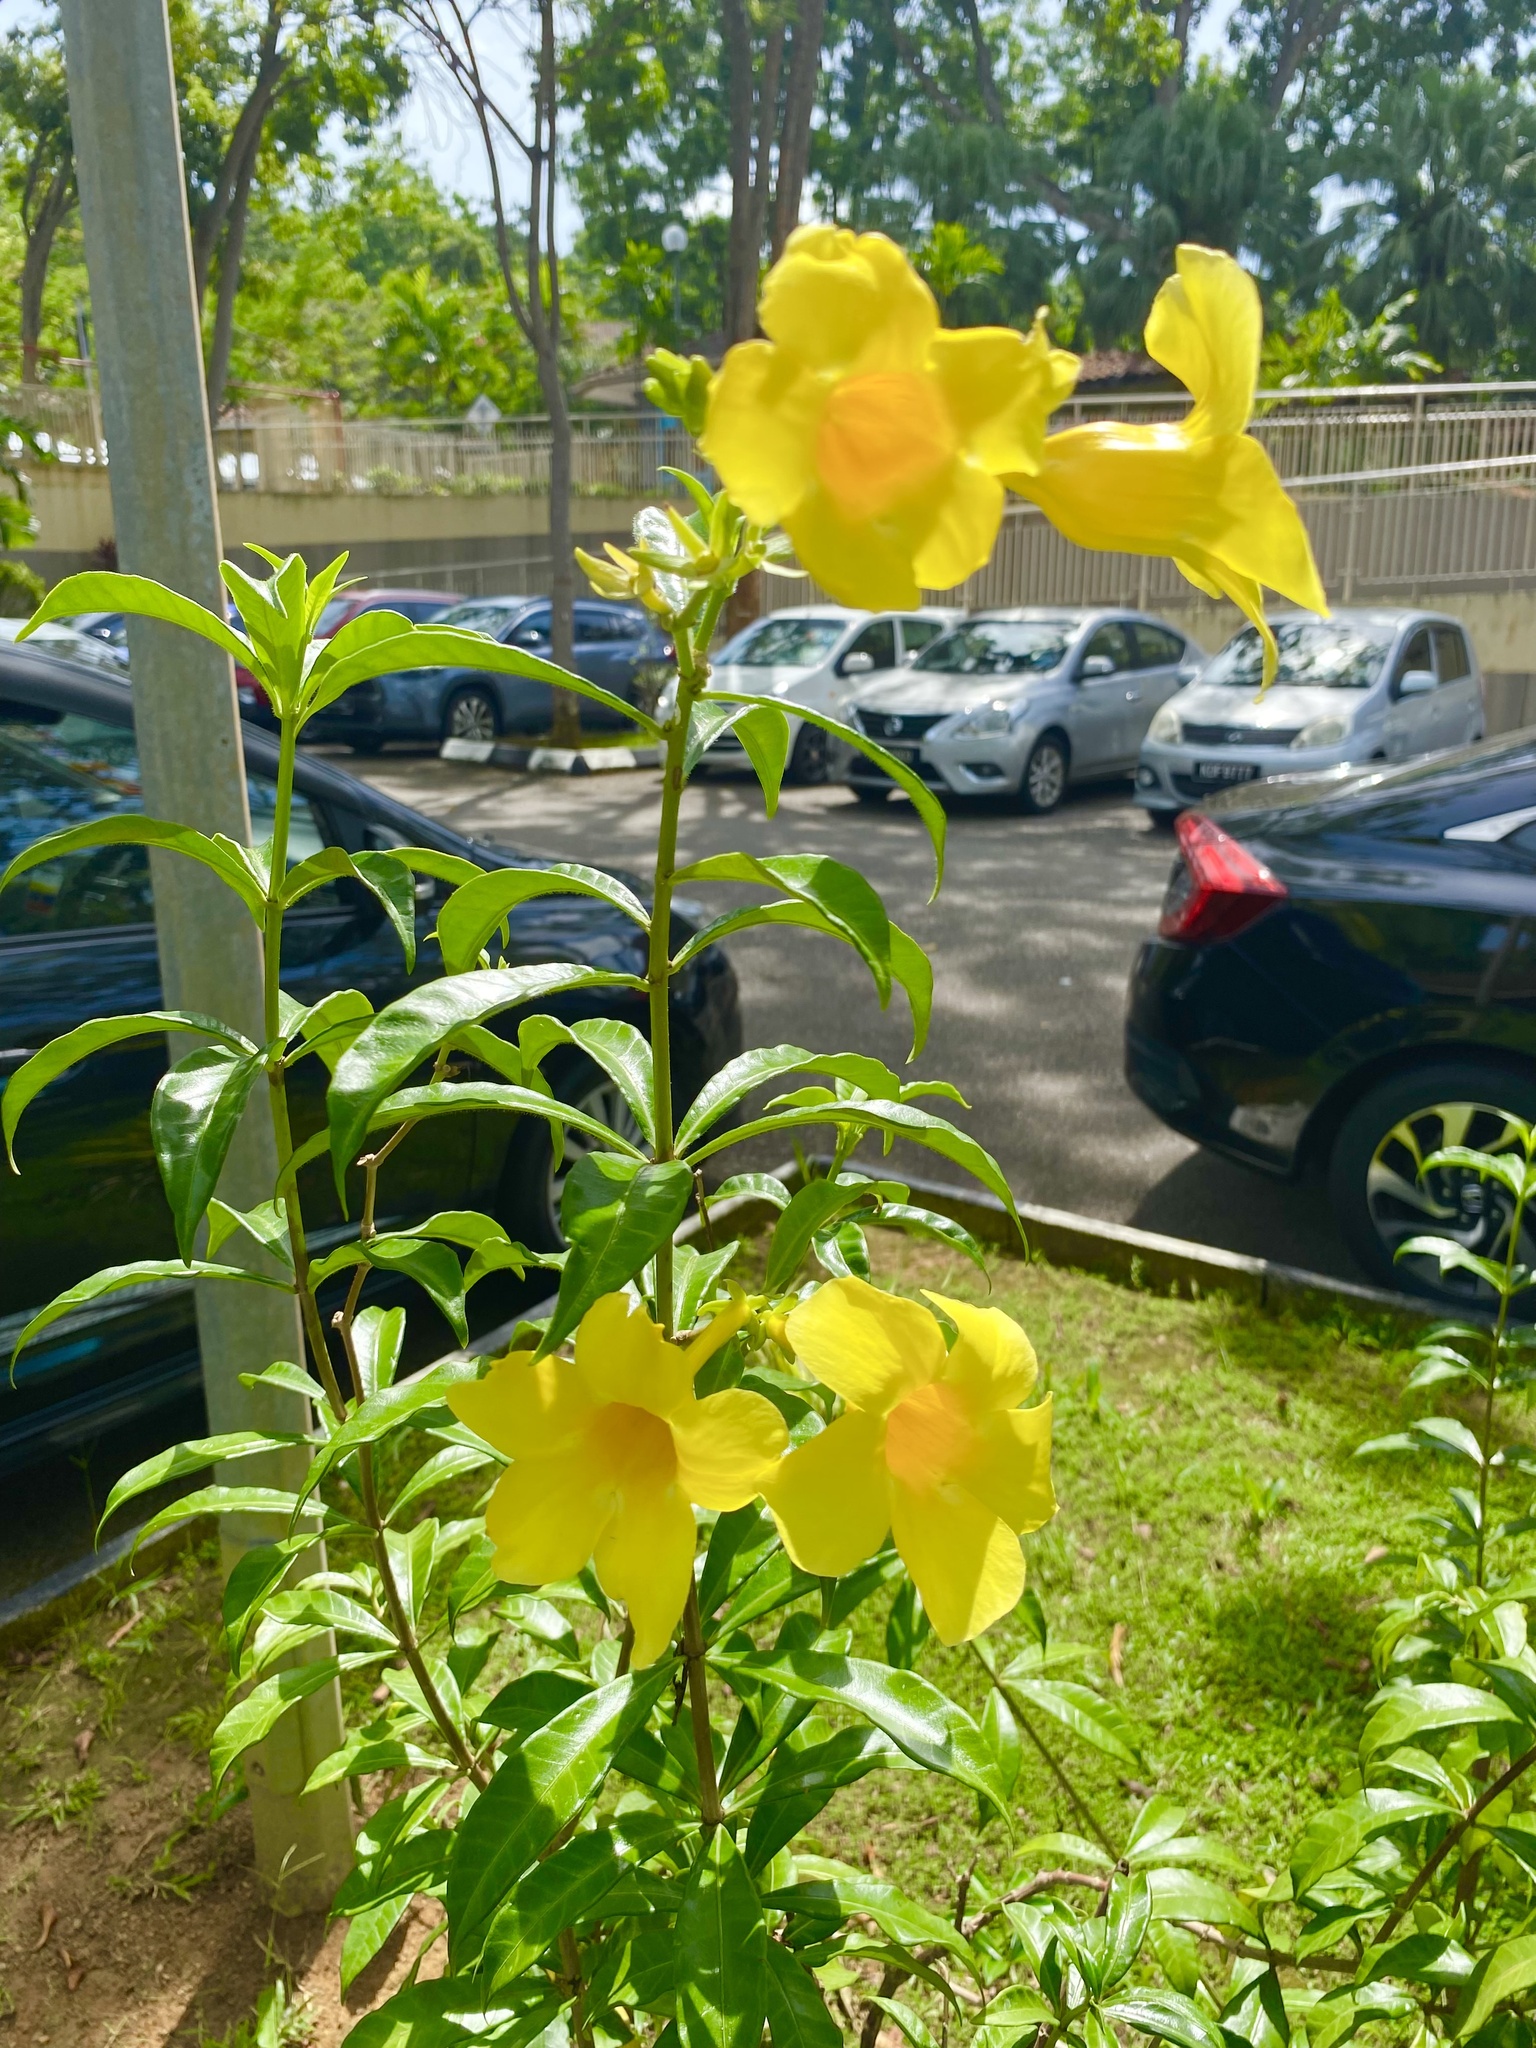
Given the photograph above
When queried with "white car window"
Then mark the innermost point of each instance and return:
(1316, 654)
(996, 647)
(785, 643)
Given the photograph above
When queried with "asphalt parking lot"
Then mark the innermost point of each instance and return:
(1031, 940)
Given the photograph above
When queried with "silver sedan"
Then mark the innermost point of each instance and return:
(1023, 703)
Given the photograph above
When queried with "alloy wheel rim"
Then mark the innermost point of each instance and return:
(1448, 1201)
(604, 1101)
(1047, 776)
(472, 718)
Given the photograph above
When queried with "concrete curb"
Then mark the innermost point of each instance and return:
(549, 760)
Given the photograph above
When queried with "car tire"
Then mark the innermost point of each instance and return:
(1379, 1200)
(528, 1202)
(368, 744)
(471, 714)
(1163, 822)
(1044, 781)
(869, 793)
(809, 759)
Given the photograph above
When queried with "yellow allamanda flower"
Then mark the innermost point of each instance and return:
(610, 1453)
(1200, 489)
(871, 434)
(931, 1445)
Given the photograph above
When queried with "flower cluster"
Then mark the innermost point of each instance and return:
(612, 1451)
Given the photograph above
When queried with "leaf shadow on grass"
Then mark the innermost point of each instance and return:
(1296, 1640)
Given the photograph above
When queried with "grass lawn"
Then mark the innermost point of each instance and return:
(1211, 1552)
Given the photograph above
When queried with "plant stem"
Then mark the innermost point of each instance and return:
(1060, 1775)
(1495, 1353)
(1450, 1838)
(711, 1812)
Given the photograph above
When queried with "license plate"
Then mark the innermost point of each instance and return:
(1226, 771)
(907, 755)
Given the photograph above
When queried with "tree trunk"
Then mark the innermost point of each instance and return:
(44, 226)
(1168, 89)
(795, 137)
(229, 284)
(545, 316)
(244, 143)
(767, 127)
(741, 252)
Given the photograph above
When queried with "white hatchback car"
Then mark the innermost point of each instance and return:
(1363, 685)
(817, 655)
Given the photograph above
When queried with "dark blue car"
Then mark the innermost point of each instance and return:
(77, 940)
(617, 645)
(1344, 978)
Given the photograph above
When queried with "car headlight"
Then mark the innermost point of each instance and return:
(990, 718)
(1326, 731)
(1165, 728)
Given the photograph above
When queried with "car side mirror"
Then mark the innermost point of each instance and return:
(909, 656)
(1095, 665)
(1418, 682)
(857, 664)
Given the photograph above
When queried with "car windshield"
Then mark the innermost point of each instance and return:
(996, 647)
(1313, 655)
(478, 617)
(785, 643)
(333, 615)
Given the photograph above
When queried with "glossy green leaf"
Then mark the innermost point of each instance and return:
(253, 1718)
(1334, 1837)
(62, 1053)
(222, 855)
(266, 1225)
(1178, 1894)
(384, 875)
(764, 734)
(113, 1279)
(388, 1409)
(192, 1456)
(1411, 1710)
(919, 1222)
(797, 2012)
(1166, 2016)
(399, 1038)
(1502, 1975)
(456, 2012)
(433, 1267)
(107, 590)
(1092, 1718)
(193, 1116)
(709, 720)
(722, 1994)
(924, 802)
(473, 913)
(827, 1890)
(799, 1782)
(367, 1933)
(815, 1206)
(378, 1335)
(762, 1187)
(838, 892)
(537, 1790)
(556, 1894)
(615, 1216)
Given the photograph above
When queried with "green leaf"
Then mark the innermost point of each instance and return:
(1181, 1895)
(266, 1225)
(106, 590)
(764, 1187)
(1130, 1911)
(737, 1078)
(764, 734)
(532, 1701)
(367, 1933)
(827, 1890)
(811, 1210)
(910, 2024)
(917, 1717)
(1419, 1959)
(1166, 2016)
(799, 1783)
(191, 1456)
(1406, 1711)
(918, 1222)
(722, 1993)
(113, 1279)
(455, 2012)
(378, 1335)
(387, 1410)
(1335, 1836)
(221, 854)
(450, 1463)
(384, 875)
(924, 802)
(555, 1894)
(433, 1267)
(624, 1054)
(1093, 1719)
(448, 1098)
(193, 1116)
(1455, 1257)
(329, 1026)
(1444, 1433)
(253, 1718)
(60, 1054)
(615, 1217)
(399, 1038)
(797, 2012)
(538, 1789)
(473, 913)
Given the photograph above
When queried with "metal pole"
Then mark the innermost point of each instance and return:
(133, 208)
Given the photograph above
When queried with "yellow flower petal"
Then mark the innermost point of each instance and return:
(885, 439)
(545, 1516)
(830, 1496)
(621, 1355)
(1207, 325)
(866, 1345)
(1009, 1469)
(968, 511)
(992, 1363)
(867, 565)
(839, 300)
(645, 1558)
(965, 1562)
(764, 411)
(1000, 386)
(727, 1444)
(521, 1409)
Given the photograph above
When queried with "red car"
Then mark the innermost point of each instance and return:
(419, 606)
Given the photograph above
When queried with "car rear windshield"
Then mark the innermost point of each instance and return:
(1318, 656)
(785, 643)
(996, 648)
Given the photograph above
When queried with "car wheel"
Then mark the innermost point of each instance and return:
(1381, 1197)
(1044, 781)
(471, 714)
(808, 760)
(532, 1180)
(1163, 821)
(869, 793)
(368, 743)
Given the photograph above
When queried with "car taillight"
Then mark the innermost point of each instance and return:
(1218, 888)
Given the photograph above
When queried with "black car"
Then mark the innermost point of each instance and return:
(1345, 977)
(617, 645)
(77, 940)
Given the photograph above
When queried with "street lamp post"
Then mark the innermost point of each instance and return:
(674, 239)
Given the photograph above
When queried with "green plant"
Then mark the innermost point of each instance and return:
(282, 2019)
(21, 590)
(59, 1802)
